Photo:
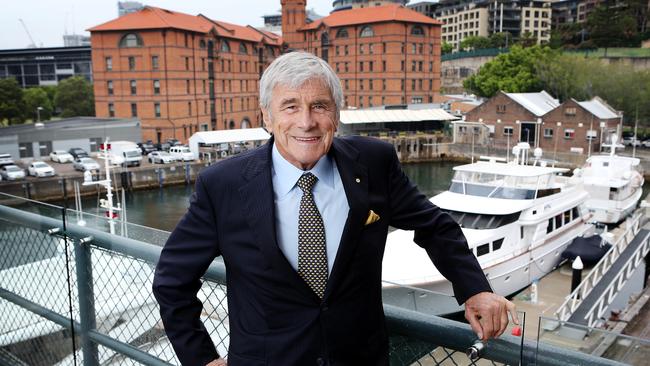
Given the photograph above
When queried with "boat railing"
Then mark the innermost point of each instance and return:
(571, 303)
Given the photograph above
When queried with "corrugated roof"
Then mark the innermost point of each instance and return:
(599, 108)
(394, 115)
(151, 17)
(392, 12)
(537, 103)
(223, 136)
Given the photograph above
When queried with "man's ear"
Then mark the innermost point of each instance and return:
(266, 118)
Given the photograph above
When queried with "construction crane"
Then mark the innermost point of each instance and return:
(33, 44)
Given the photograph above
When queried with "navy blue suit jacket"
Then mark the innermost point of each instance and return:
(274, 317)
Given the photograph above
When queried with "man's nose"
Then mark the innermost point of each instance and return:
(306, 119)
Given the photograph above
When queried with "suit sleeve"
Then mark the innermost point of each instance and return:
(184, 259)
(436, 232)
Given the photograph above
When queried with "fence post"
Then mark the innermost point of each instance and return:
(87, 319)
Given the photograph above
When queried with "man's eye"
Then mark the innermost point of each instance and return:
(290, 108)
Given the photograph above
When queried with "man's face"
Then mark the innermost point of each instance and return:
(303, 121)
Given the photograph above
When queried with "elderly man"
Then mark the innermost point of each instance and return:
(301, 224)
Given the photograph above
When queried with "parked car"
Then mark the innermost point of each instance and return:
(84, 164)
(40, 169)
(146, 147)
(181, 153)
(78, 152)
(12, 172)
(163, 147)
(173, 142)
(160, 157)
(60, 156)
(5, 159)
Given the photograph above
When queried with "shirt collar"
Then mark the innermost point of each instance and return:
(288, 174)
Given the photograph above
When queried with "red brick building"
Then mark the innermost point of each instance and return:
(539, 119)
(179, 73)
(383, 55)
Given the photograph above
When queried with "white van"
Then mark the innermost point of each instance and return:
(125, 153)
(181, 153)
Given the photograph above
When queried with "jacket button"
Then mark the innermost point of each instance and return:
(320, 361)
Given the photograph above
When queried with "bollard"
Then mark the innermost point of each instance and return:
(576, 276)
(534, 292)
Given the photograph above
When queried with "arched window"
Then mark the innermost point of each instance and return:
(366, 32)
(225, 47)
(202, 43)
(231, 125)
(325, 39)
(416, 30)
(245, 123)
(342, 33)
(243, 49)
(131, 40)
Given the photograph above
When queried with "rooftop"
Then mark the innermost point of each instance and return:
(394, 115)
(537, 103)
(387, 13)
(599, 108)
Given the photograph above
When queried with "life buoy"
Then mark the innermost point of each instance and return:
(224, 154)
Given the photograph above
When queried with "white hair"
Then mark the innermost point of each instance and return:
(293, 70)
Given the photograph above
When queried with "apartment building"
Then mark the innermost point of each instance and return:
(383, 55)
(179, 73)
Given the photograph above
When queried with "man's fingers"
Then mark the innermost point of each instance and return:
(504, 319)
(475, 324)
(512, 309)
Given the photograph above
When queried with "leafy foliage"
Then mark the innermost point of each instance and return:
(446, 48)
(11, 101)
(513, 72)
(75, 97)
(35, 98)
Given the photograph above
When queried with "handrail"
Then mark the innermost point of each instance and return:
(415, 325)
(571, 302)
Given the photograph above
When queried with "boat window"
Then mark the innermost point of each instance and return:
(496, 245)
(481, 221)
(576, 214)
(558, 221)
(492, 191)
(549, 227)
(521, 231)
(567, 216)
(482, 249)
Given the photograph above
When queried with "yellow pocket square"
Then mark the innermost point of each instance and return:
(372, 217)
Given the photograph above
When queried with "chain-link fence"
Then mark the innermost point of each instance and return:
(72, 295)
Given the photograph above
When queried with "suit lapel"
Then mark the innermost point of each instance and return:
(354, 177)
(257, 197)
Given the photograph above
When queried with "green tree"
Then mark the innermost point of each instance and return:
(11, 101)
(527, 40)
(500, 39)
(51, 95)
(446, 48)
(74, 97)
(513, 72)
(35, 98)
(475, 43)
(612, 26)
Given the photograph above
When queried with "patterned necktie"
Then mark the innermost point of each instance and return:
(312, 254)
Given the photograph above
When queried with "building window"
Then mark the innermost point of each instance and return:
(501, 108)
(187, 86)
(242, 49)
(370, 49)
(134, 88)
(156, 86)
(402, 66)
(412, 84)
(592, 134)
(131, 63)
(548, 132)
(569, 133)
(361, 66)
(508, 131)
(347, 84)
(416, 30)
(383, 84)
(383, 66)
(346, 50)
(156, 109)
(25, 150)
(571, 111)
(366, 32)
(370, 82)
(225, 47)
(134, 109)
(360, 84)
(361, 47)
(131, 40)
(402, 85)
(154, 62)
(187, 63)
(342, 33)
(337, 50)
(109, 87)
(189, 108)
(414, 48)
(111, 110)
(109, 63)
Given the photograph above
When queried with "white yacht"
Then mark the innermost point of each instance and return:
(517, 219)
(614, 184)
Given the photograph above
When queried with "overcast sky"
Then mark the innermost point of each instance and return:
(49, 20)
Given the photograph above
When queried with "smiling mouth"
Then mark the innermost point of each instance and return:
(307, 139)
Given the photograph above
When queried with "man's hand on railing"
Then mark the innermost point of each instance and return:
(487, 314)
(218, 362)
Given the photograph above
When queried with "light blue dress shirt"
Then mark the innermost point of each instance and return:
(330, 198)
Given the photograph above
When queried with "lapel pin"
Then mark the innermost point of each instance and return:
(358, 180)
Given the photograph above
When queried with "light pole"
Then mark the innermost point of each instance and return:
(38, 113)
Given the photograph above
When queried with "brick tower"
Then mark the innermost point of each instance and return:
(293, 18)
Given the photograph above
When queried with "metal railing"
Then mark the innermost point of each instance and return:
(74, 295)
(572, 301)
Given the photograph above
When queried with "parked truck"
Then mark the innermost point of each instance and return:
(125, 153)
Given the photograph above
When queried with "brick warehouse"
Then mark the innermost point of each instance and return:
(383, 55)
(179, 73)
